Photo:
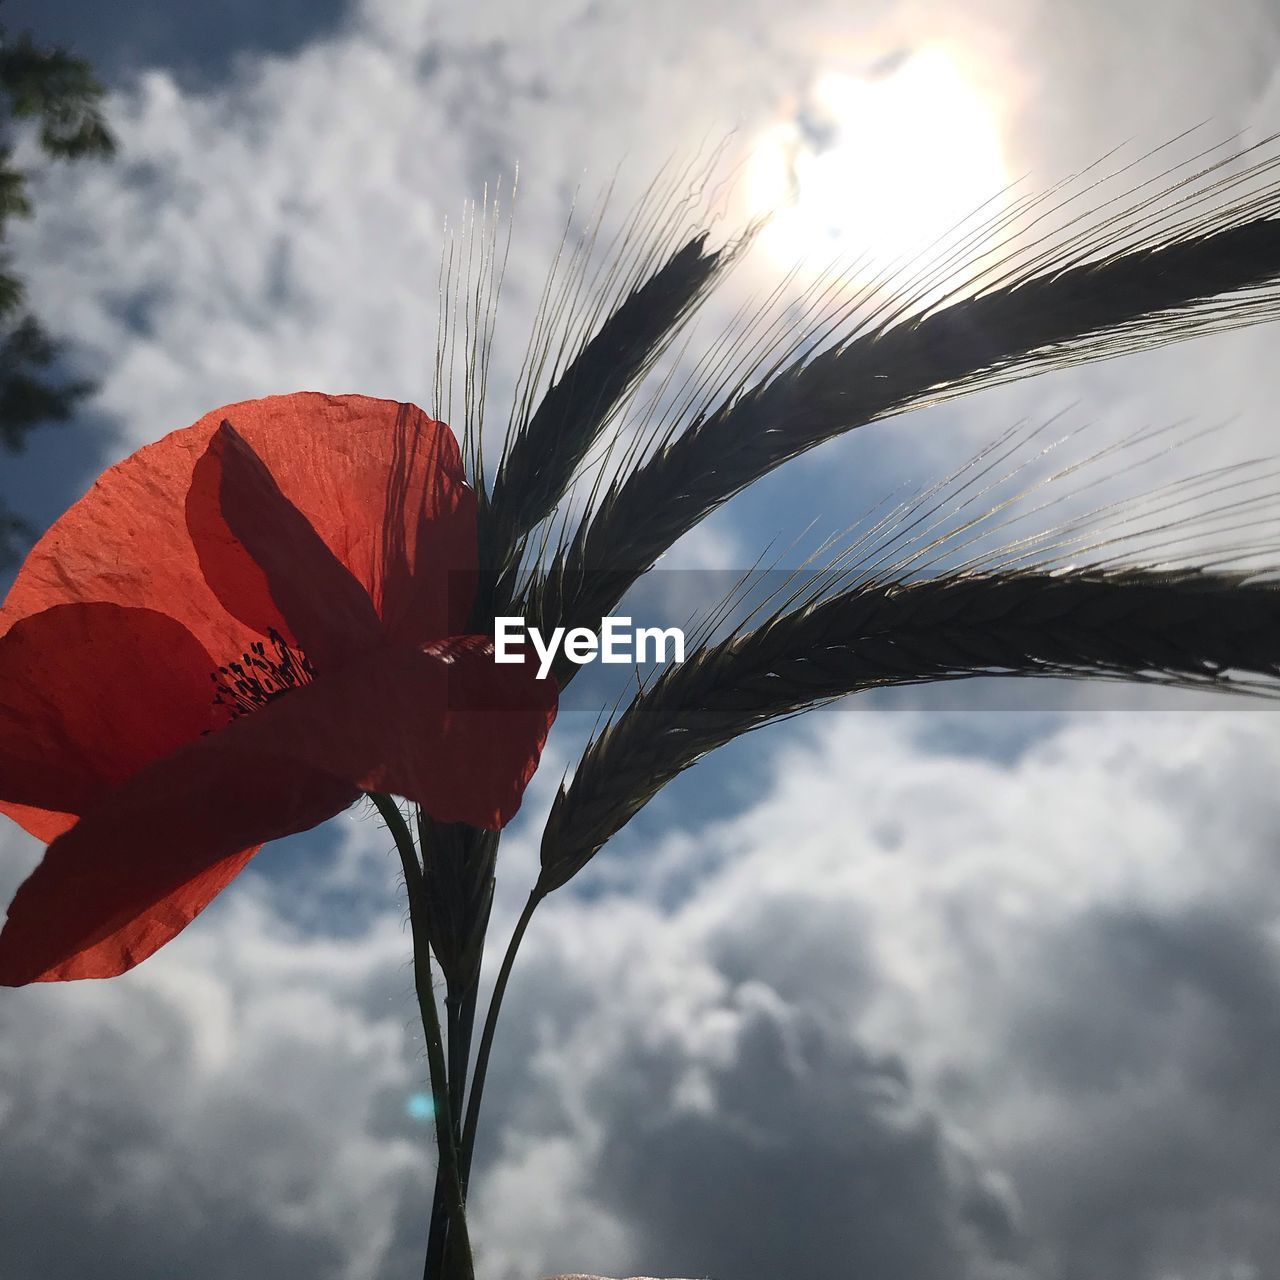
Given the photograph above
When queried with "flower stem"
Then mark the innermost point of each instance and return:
(445, 1133)
(486, 1039)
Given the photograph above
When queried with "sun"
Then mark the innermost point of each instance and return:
(873, 169)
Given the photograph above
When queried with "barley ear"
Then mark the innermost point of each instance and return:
(1131, 281)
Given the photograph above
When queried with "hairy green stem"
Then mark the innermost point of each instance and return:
(446, 1137)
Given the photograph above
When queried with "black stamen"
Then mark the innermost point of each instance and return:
(259, 677)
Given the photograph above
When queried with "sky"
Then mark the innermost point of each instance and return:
(962, 983)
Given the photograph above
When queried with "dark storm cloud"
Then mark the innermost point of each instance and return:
(806, 1156)
(1161, 1036)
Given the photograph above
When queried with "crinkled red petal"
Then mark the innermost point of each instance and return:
(90, 694)
(381, 483)
(140, 866)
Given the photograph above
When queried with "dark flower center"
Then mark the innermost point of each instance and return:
(261, 676)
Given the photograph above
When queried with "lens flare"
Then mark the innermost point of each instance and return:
(420, 1106)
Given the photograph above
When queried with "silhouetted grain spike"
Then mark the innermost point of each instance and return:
(457, 869)
(1132, 299)
(546, 451)
(1188, 629)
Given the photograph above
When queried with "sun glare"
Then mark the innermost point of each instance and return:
(870, 169)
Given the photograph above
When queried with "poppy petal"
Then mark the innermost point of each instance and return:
(44, 824)
(381, 483)
(427, 562)
(90, 694)
(38, 945)
(444, 726)
(140, 866)
(266, 563)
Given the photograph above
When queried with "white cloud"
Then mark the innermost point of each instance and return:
(284, 230)
(932, 1012)
(1001, 993)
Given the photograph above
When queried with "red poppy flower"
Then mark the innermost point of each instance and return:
(238, 630)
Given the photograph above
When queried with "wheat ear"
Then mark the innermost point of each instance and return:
(1184, 628)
